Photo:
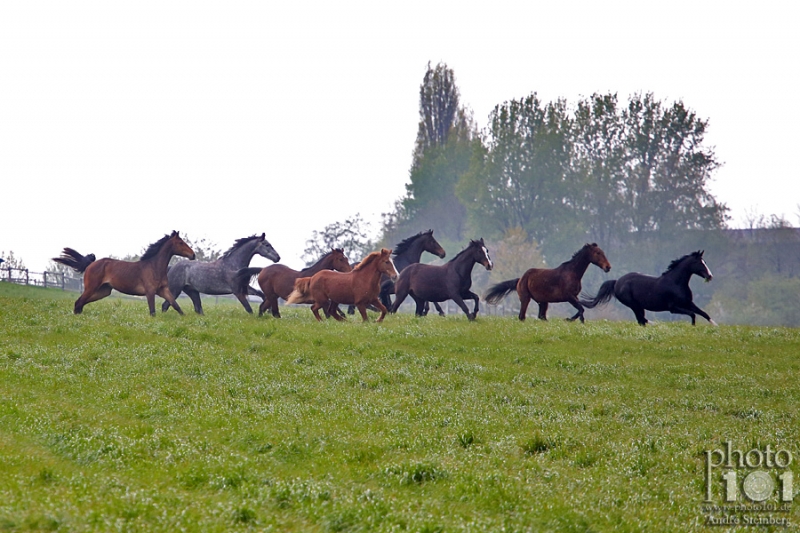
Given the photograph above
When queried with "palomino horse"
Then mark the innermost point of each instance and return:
(437, 283)
(216, 277)
(145, 277)
(552, 285)
(668, 292)
(359, 287)
(277, 281)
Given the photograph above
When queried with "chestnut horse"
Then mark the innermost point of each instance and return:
(145, 277)
(277, 281)
(359, 287)
(552, 285)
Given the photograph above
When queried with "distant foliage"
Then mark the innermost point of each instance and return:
(514, 254)
(351, 235)
(11, 261)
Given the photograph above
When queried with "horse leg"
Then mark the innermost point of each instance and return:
(438, 308)
(420, 311)
(315, 307)
(471, 295)
(639, 312)
(577, 305)
(362, 308)
(151, 302)
(398, 299)
(543, 311)
(98, 294)
(195, 297)
(382, 308)
(243, 300)
(460, 302)
(524, 301)
(702, 313)
(263, 306)
(165, 293)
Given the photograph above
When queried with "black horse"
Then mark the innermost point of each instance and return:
(451, 281)
(669, 292)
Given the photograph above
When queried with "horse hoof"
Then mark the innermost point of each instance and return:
(713, 323)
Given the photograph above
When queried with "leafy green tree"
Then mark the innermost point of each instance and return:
(598, 164)
(520, 176)
(667, 168)
(351, 235)
(442, 153)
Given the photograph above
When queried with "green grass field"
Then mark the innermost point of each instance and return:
(116, 421)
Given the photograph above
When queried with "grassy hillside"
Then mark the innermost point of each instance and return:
(113, 420)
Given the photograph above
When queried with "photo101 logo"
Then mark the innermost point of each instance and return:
(748, 487)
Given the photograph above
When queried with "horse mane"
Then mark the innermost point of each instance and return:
(470, 245)
(579, 252)
(153, 249)
(238, 244)
(697, 255)
(369, 259)
(403, 246)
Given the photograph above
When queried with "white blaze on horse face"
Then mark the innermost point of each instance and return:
(488, 259)
(708, 270)
(395, 269)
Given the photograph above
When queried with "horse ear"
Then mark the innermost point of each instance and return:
(174, 233)
(263, 236)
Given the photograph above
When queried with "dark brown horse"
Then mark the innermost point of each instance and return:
(277, 281)
(359, 287)
(145, 277)
(450, 281)
(552, 285)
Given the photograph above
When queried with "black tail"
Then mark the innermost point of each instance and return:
(499, 291)
(241, 280)
(605, 294)
(73, 259)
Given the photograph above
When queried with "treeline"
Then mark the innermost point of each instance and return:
(564, 175)
(542, 178)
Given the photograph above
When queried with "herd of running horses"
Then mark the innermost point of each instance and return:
(332, 281)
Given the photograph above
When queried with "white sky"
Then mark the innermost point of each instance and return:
(121, 121)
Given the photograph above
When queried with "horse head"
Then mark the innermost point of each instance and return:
(339, 261)
(432, 246)
(265, 249)
(386, 265)
(598, 257)
(179, 246)
(482, 254)
(700, 267)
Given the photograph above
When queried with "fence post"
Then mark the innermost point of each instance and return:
(63, 285)
(44, 278)
(27, 280)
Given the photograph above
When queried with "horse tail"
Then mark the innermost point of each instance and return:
(301, 292)
(499, 291)
(242, 279)
(73, 259)
(605, 294)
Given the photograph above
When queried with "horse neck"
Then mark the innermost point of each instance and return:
(412, 255)
(463, 265)
(323, 264)
(241, 256)
(161, 260)
(681, 274)
(578, 265)
(369, 273)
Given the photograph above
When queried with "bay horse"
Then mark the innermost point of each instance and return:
(360, 287)
(437, 283)
(668, 292)
(145, 277)
(277, 281)
(216, 277)
(552, 285)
